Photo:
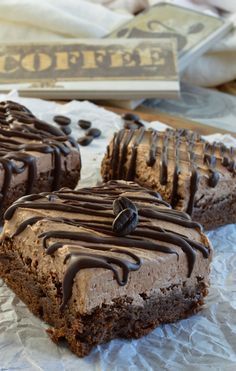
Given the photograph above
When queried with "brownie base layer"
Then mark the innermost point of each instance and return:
(82, 332)
(216, 214)
(43, 184)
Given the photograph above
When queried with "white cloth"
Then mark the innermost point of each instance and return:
(132, 6)
(216, 67)
(229, 5)
(30, 20)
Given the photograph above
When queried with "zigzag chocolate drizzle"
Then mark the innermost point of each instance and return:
(18, 124)
(93, 244)
(177, 146)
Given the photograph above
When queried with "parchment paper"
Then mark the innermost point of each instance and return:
(206, 341)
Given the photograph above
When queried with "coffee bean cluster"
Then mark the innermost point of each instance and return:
(126, 219)
(90, 134)
(132, 121)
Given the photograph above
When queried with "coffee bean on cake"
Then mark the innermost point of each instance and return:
(125, 222)
(121, 203)
(94, 279)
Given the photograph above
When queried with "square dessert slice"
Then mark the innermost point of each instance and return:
(192, 175)
(104, 262)
(34, 156)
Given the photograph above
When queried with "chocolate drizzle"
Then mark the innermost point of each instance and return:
(210, 160)
(153, 148)
(164, 160)
(86, 218)
(174, 195)
(180, 148)
(22, 133)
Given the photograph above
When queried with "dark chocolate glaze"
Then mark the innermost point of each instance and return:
(22, 133)
(86, 217)
(178, 145)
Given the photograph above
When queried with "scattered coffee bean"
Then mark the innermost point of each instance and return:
(125, 222)
(122, 203)
(66, 130)
(84, 124)
(85, 141)
(139, 123)
(94, 132)
(62, 120)
(130, 125)
(131, 116)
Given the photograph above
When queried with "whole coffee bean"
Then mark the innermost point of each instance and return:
(131, 116)
(85, 141)
(139, 123)
(130, 125)
(84, 124)
(66, 130)
(125, 222)
(94, 132)
(122, 203)
(62, 120)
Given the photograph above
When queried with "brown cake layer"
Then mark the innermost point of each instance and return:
(192, 175)
(34, 156)
(104, 262)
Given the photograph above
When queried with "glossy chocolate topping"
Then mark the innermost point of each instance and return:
(94, 244)
(21, 133)
(180, 147)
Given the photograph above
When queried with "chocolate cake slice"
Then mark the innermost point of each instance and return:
(34, 156)
(104, 262)
(192, 175)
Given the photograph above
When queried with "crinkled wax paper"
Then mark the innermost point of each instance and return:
(206, 341)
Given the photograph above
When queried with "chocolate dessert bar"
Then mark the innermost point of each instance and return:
(34, 156)
(191, 174)
(104, 262)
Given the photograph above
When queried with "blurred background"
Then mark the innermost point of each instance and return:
(58, 20)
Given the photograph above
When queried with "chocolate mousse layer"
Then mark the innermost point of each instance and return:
(34, 156)
(192, 175)
(104, 262)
